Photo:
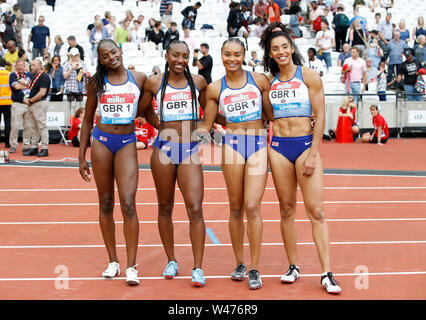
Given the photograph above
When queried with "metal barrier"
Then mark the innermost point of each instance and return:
(401, 115)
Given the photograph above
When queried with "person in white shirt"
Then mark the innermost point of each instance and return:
(314, 63)
(137, 33)
(190, 41)
(325, 42)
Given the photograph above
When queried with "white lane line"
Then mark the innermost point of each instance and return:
(206, 221)
(208, 244)
(207, 203)
(208, 188)
(405, 273)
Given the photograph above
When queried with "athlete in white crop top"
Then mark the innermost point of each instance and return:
(242, 97)
(115, 91)
(175, 155)
(296, 93)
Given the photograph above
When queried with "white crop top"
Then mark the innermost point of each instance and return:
(177, 104)
(118, 104)
(243, 104)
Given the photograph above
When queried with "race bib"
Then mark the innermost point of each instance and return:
(177, 106)
(117, 108)
(242, 107)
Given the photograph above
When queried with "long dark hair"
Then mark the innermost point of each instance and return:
(274, 30)
(190, 82)
(98, 79)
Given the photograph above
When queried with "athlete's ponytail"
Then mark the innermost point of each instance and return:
(274, 30)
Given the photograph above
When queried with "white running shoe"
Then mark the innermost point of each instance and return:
(112, 270)
(291, 275)
(132, 276)
(331, 285)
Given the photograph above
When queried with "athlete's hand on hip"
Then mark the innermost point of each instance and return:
(84, 170)
(309, 165)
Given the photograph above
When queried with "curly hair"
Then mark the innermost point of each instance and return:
(269, 64)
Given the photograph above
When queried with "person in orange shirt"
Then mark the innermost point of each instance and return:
(273, 11)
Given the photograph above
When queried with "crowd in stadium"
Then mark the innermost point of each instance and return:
(385, 53)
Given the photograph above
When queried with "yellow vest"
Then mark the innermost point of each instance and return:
(5, 91)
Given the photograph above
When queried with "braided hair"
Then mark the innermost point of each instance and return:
(98, 79)
(191, 83)
(234, 40)
(274, 30)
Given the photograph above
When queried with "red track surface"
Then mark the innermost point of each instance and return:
(376, 222)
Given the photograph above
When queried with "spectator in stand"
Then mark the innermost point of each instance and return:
(371, 72)
(166, 10)
(361, 20)
(190, 41)
(357, 36)
(419, 29)
(314, 12)
(387, 4)
(72, 42)
(156, 35)
(396, 51)
(98, 33)
(18, 82)
(348, 109)
(373, 5)
(144, 133)
(129, 16)
(420, 50)
(19, 24)
(380, 134)
(92, 25)
(74, 133)
(137, 33)
(357, 73)
(5, 101)
(7, 31)
(340, 26)
(38, 36)
(107, 16)
(260, 27)
(405, 34)
(171, 34)
(334, 7)
(234, 19)
(29, 11)
(294, 21)
(375, 25)
(344, 55)
(56, 74)
(409, 70)
(385, 34)
(254, 60)
(374, 52)
(74, 73)
(382, 81)
(205, 64)
(260, 9)
(190, 15)
(11, 56)
(111, 27)
(313, 62)
(22, 54)
(273, 11)
(121, 34)
(59, 49)
(324, 40)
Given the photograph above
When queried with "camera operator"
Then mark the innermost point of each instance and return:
(205, 64)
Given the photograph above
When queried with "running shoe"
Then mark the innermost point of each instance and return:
(171, 270)
(132, 276)
(112, 270)
(254, 280)
(239, 273)
(331, 285)
(291, 275)
(198, 279)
